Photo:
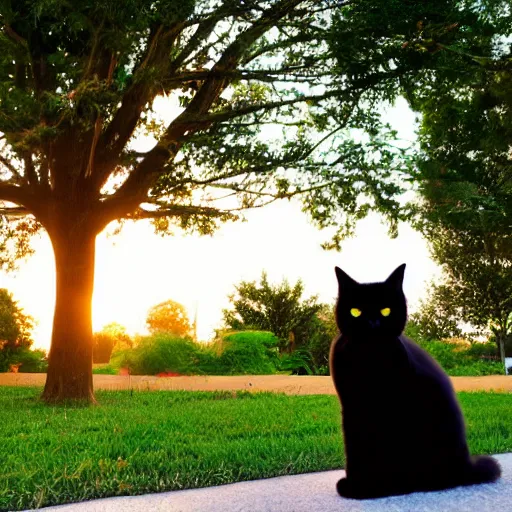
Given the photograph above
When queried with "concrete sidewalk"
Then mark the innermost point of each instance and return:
(312, 492)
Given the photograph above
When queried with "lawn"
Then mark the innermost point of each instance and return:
(134, 443)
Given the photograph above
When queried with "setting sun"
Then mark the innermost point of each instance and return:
(138, 269)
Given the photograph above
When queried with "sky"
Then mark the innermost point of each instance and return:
(138, 269)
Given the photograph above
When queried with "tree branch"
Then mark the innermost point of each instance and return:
(124, 122)
(135, 188)
(202, 33)
(221, 116)
(18, 178)
(22, 197)
(14, 36)
(269, 75)
(14, 211)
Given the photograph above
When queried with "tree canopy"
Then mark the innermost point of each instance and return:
(464, 171)
(170, 317)
(453, 62)
(79, 82)
(258, 114)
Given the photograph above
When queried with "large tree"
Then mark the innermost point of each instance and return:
(464, 171)
(260, 115)
(456, 59)
(465, 181)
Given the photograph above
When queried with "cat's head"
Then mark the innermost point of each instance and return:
(371, 310)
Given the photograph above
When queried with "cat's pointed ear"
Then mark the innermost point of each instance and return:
(396, 278)
(344, 280)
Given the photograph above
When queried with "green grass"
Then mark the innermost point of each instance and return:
(162, 440)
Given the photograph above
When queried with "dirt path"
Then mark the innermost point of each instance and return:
(290, 384)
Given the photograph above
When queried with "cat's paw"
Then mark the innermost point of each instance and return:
(344, 488)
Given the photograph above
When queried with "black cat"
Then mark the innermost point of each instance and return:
(403, 428)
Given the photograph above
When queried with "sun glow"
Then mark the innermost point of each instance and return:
(137, 269)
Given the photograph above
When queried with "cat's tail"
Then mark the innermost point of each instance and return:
(483, 469)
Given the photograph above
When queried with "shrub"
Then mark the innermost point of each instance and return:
(247, 353)
(478, 368)
(28, 361)
(159, 353)
(458, 357)
(242, 353)
(486, 350)
(465, 360)
(444, 353)
(105, 370)
(298, 362)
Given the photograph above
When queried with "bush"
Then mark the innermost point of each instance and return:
(160, 353)
(458, 356)
(444, 353)
(465, 360)
(486, 350)
(28, 361)
(105, 370)
(241, 353)
(246, 353)
(298, 362)
(478, 368)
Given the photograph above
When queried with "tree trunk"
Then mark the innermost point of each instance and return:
(500, 337)
(70, 360)
(501, 343)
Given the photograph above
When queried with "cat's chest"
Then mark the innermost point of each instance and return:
(374, 366)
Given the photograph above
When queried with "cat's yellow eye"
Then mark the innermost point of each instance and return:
(355, 312)
(385, 312)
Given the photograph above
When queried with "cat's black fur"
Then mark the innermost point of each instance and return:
(403, 428)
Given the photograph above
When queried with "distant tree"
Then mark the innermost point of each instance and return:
(15, 334)
(464, 170)
(437, 317)
(15, 326)
(465, 182)
(122, 340)
(279, 309)
(170, 317)
(112, 337)
(478, 278)
(323, 331)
